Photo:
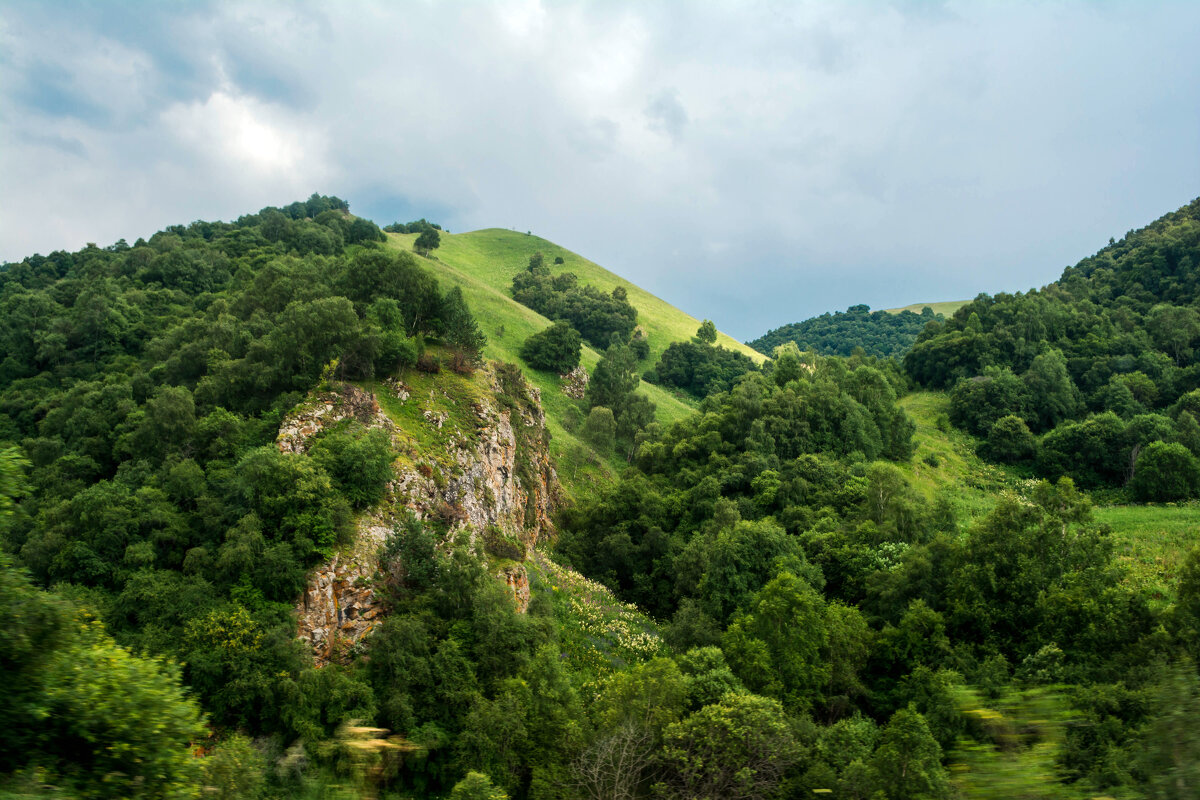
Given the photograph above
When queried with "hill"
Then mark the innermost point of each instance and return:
(1102, 363)
(883, 334)
(483, 263)
(945, 308)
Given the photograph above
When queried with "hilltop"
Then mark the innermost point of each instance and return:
(482, 263)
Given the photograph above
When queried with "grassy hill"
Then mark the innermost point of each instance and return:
(945, 308)
(483, 263)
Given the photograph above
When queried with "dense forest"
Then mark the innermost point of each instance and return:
(764, 603)
(878, 333)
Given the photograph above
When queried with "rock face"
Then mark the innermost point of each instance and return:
(497, 482)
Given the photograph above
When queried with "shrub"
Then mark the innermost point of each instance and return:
(1165, 472)
(555, 349)
(1009, 441)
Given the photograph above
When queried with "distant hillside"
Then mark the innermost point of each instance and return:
(879, 333)
(945, 308)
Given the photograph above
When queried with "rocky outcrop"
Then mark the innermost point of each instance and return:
(575, 383)
(516, 577)
(329, 408)
(496, 478)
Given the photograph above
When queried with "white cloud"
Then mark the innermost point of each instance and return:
(238, 132)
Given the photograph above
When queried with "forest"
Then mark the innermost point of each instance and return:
(762, 600)
(879, 333)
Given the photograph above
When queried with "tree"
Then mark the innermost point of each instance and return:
(1010, 441)
(358, 460)
(739, 748)
(477, 786)
(555, 349)
(707, 334)
(1052, 394)
(779, 646)
(462, 332)
(614, 378)
(908, 759)
(1174, 329)
(600, 429)
(428, 241)
(1165, 472)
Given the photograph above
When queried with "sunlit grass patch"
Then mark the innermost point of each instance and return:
(600, 634)
(1152, 542)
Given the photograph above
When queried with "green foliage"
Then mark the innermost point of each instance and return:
(235, 770)
(878, 333)
(427, 241)
(1009, 441)
(778, 647)
(614, 379)
(600, 428)
(1115, 334)
(740, 747)
(555, 349)
(699, 368)
(462, 334)
(358, 460)
(1165, 472)
(79, 704)
(477, 786)
(908, 760)
(598, 317)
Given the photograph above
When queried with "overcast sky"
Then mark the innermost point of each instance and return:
(755, 163)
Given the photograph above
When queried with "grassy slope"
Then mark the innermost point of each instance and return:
(1151, 540)
(946, 308)
(971, 483)
(482, 263)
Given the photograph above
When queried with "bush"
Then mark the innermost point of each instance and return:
(358, 460)
(1165, 472)
(1009, 441)
(556, 349)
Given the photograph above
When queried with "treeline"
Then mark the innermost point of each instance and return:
(776, 536)
(416, 226)
(1101, 363)
(878, 333)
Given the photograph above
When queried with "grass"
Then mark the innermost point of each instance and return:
(599, 633)
(945, 460)
(945, 308)
(1152, 541)
(482, 264)
(447, 396)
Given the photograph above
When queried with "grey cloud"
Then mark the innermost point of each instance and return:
(667, 114)
(836, 153)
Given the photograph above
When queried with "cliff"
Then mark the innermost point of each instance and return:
(472, 453)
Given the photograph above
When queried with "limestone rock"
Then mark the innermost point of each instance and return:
(502, 476)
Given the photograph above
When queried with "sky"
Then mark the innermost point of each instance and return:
(755, 163)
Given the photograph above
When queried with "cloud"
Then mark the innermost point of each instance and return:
(754, 163)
